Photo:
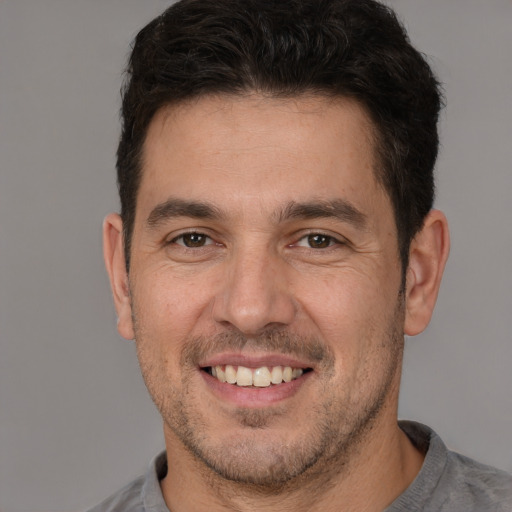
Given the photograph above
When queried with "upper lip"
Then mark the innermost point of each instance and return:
(254, 360)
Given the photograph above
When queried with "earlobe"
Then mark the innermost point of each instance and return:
(113, 254)
(427, 258)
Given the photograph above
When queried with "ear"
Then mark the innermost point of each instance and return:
(427, 258)
(113, 253)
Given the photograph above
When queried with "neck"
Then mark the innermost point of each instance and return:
(376, 471)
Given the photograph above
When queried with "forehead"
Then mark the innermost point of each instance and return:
(260, 151)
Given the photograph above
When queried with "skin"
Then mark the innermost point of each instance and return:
(263, 280)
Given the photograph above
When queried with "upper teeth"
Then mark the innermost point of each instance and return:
(259, 377)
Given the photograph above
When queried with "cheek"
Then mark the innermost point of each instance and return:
(354, 314)
(166, 315)
(346, 301)
(168, 307)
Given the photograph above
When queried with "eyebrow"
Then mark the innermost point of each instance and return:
(339, 209)
(173, 208)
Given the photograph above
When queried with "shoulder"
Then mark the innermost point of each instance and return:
(127, 499)
(473, 483)
(141, 495)
(451, 482)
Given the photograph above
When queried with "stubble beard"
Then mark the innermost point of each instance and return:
(258, 460)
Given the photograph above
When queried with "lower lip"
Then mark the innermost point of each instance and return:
(254, 397)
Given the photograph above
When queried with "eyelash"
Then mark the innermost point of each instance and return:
(182, 236)
(328, 239)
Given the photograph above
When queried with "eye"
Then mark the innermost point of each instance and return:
(192, 240)
(317, 241)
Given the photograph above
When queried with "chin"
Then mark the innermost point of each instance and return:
(259, 458)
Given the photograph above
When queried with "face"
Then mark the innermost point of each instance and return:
(265, 284)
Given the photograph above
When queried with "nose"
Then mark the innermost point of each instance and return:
(254, 295)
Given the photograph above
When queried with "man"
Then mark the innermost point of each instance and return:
(275, 243)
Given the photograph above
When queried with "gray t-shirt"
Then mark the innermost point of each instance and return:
(447, 482)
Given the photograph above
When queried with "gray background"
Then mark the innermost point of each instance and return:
(75, 418)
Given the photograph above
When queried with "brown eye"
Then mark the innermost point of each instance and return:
(192, 240)
(318, 241)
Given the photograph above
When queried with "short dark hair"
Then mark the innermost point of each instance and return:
(349, 48)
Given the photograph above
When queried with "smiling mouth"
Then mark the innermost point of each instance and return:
(262, 377)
